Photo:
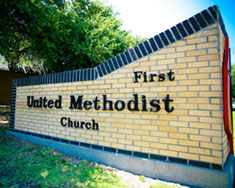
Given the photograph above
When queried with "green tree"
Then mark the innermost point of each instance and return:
(59, 35)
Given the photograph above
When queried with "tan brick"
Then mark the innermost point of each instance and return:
(150, 128)
(118, 76)
(185, 48)
(209, 94)
(211, 159)
(186, 59)
(198, 100)
(198, 64)
(187, 71)
(189, 143)
(104, 143)
(178, 136)
(168, 129)
(178, 66)
(111, 139)
(209, 107)
(178, 148)
(216, 75)
(210, 133)
(199, 113)
(125, 131)
(198, 88)
(217, 127)
(217, 140)
(141, 132)
(168, 117)
(158, 89)
(200, 151)
(133, 137)
(209, 69)
(217, 153)
(149, 150)
(166, 51)
(143, 122)
(168, 153)
(215, 101)
(110, 129)
(210, 120)
(125, 80)
(179, 123)
(133, 148)
(196, 53)
(181, 77)
(197, 40)
(168, 141)
(188, 82)
(158, 122)
(189, 156)
(214, 63)
(188, 118)
(217, 114)
(208, 57)
(123, 141)
(176, 55)
(198, 76)
(180, 100)
(157, 57)
(200, 125)
(166, 61)
(159, 134)
(210, 82)
(141, 89)
(213, 51)
(159, 67)
(119, 146)
(200, 138)
(126, 90)
(158, 146)
(216, 88)
(178, 43)
(187, 106)
(207, 45)
(150, 139)
(188, 130)
(212, 38)
(187, 94)
(141, 143)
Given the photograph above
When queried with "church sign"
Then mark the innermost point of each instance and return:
(161, 109)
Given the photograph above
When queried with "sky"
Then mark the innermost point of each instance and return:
(148, 18)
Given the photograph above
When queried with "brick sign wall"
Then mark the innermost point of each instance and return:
(161, 100)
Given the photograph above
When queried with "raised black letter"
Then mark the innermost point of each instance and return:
(87, 105)
(135, 102)
(58, 102)
(62, 123)
(30, 101)
(76, 104)
(122, 105)
(155, 104)
(167, 101)
(170, 75)
(137, 76)
(105, 101)
(95, 126)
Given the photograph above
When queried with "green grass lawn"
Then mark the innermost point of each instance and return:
(26, 165)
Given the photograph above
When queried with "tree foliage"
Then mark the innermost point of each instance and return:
(58, 35)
